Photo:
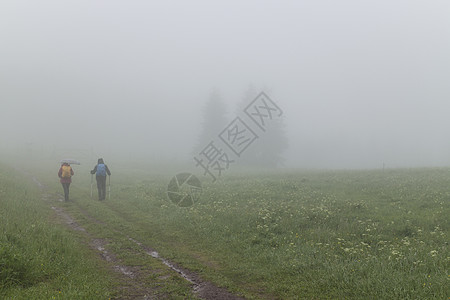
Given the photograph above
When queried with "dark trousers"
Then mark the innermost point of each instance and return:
(66, 190)
(101, 186)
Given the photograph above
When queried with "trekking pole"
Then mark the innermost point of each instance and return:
(109, 187)
(92, 182)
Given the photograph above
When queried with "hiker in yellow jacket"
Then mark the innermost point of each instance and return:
(65, 173)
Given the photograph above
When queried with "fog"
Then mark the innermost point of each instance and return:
(362, 84)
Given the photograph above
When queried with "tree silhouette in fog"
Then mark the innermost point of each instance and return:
(267, 151)
(214, 120)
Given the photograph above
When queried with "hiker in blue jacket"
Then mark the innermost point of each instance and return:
(100, 171)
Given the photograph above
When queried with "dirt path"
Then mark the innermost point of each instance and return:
(134, 284)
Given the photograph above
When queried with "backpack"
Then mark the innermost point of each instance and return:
(66, 172)
(101, 170)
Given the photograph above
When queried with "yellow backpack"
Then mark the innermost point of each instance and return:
(66, 172)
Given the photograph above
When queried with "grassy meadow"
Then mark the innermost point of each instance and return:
(39, 260)
(288, 235)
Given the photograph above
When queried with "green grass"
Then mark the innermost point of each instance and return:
(347, 234)
(296, 235)
(39, 260)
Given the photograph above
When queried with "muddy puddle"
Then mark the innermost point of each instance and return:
(203, 289)
(99, 245)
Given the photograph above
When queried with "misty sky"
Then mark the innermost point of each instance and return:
(361, 83)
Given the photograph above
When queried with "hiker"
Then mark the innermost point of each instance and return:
(100, 171)
(65, 173)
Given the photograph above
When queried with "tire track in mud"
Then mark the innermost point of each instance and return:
(95, 243)
(203, 289)
(133, 287)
